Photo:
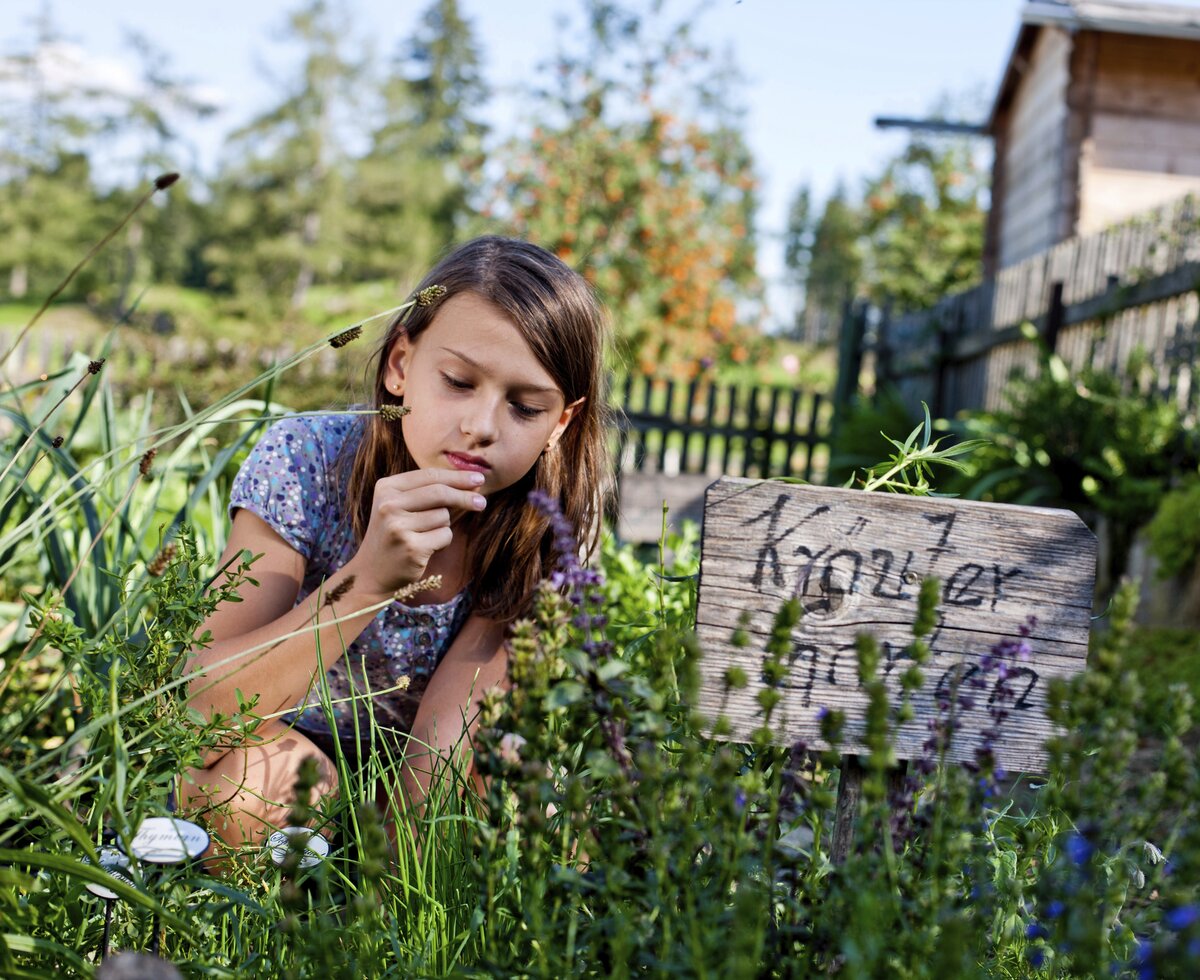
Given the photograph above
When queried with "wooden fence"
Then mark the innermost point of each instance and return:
(1093, 300)
(720, 430)
(673, 439)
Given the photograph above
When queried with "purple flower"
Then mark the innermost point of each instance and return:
(569, 574)
(739, 800)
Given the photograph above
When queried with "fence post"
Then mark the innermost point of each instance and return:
(1054, 318)
(941, 364)
(850, 354)
(883, 350)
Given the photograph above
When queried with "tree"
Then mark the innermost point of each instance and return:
(916, 236)
(45, 172)
(284, 198)
(70, 145)
(924, 223)
(647, 189)
(824, 258)
(411, 191)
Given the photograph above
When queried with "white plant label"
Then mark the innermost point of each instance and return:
(116, 864)
(316, 847)
(168, 840)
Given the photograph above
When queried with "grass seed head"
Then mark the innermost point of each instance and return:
(345, 337)
(393, 413)
(161, 561)
(430, 295)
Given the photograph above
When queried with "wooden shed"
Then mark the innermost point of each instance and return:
(1097, 118)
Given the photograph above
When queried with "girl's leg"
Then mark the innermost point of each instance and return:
(247, 793)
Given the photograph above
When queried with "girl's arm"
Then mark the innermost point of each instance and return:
(442, 732)
(251, 649)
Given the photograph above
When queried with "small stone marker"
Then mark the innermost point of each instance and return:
(168, 840)
(856, 561)
(316, 847)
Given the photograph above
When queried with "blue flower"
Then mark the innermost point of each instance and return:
(1054, 909)
(739, 800)
(1142, 957)
(1182, 917)
(1035, 930)
(1079, 849)
(1037, 957)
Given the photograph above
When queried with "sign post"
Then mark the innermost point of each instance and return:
(856, 562)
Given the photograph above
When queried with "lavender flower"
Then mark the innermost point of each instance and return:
(580, 583)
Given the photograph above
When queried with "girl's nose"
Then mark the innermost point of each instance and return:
(479, 422)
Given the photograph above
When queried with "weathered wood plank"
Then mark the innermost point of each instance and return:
(856, 561)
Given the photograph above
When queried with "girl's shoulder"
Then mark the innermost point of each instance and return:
(291, 478)
(314, 436)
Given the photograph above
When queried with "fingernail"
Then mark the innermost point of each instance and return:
(477, 477)
(479, 502)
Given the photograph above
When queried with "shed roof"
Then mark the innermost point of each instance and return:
(1110, 16)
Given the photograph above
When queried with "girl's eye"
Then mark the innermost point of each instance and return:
(526, 411)
(455, 383)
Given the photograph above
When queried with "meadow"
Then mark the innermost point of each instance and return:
(617, 836)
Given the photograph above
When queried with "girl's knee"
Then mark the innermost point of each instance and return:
(249, 792)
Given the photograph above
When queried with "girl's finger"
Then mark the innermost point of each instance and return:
(429, 497)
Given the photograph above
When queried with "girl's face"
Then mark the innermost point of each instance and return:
(478, 396)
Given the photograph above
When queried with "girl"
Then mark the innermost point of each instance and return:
(500, 368)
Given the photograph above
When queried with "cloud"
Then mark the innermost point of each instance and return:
(63, 68)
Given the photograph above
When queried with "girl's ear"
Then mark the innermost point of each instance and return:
(396, 370)
(564, 420)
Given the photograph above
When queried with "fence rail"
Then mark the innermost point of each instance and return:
(1093, 300)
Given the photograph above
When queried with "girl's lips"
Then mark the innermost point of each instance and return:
(461, 461)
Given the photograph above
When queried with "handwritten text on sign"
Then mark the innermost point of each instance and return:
(856, 561)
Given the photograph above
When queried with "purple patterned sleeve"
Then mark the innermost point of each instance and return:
(284, 481)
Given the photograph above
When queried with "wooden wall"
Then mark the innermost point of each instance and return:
(1032, 146)
(1143, 146)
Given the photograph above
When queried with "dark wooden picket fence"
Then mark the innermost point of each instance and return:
(670, 427)
(1094, 300)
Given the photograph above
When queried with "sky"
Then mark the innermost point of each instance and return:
(816, 72)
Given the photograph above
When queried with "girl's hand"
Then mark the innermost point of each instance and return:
(411, 515)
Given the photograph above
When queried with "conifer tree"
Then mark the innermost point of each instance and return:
(412, 189)
(283, 195)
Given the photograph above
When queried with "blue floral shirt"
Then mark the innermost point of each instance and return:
(293, 480)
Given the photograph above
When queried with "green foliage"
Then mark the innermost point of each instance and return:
(923, 221)
(1175, 529)
(1086, 440)
(915, 235)
(615, 830)
(909, 467)
(824, 257)
(859, 437)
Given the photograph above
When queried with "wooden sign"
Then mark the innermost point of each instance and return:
(856, 561)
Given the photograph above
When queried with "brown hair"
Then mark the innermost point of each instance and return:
(555, 310)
